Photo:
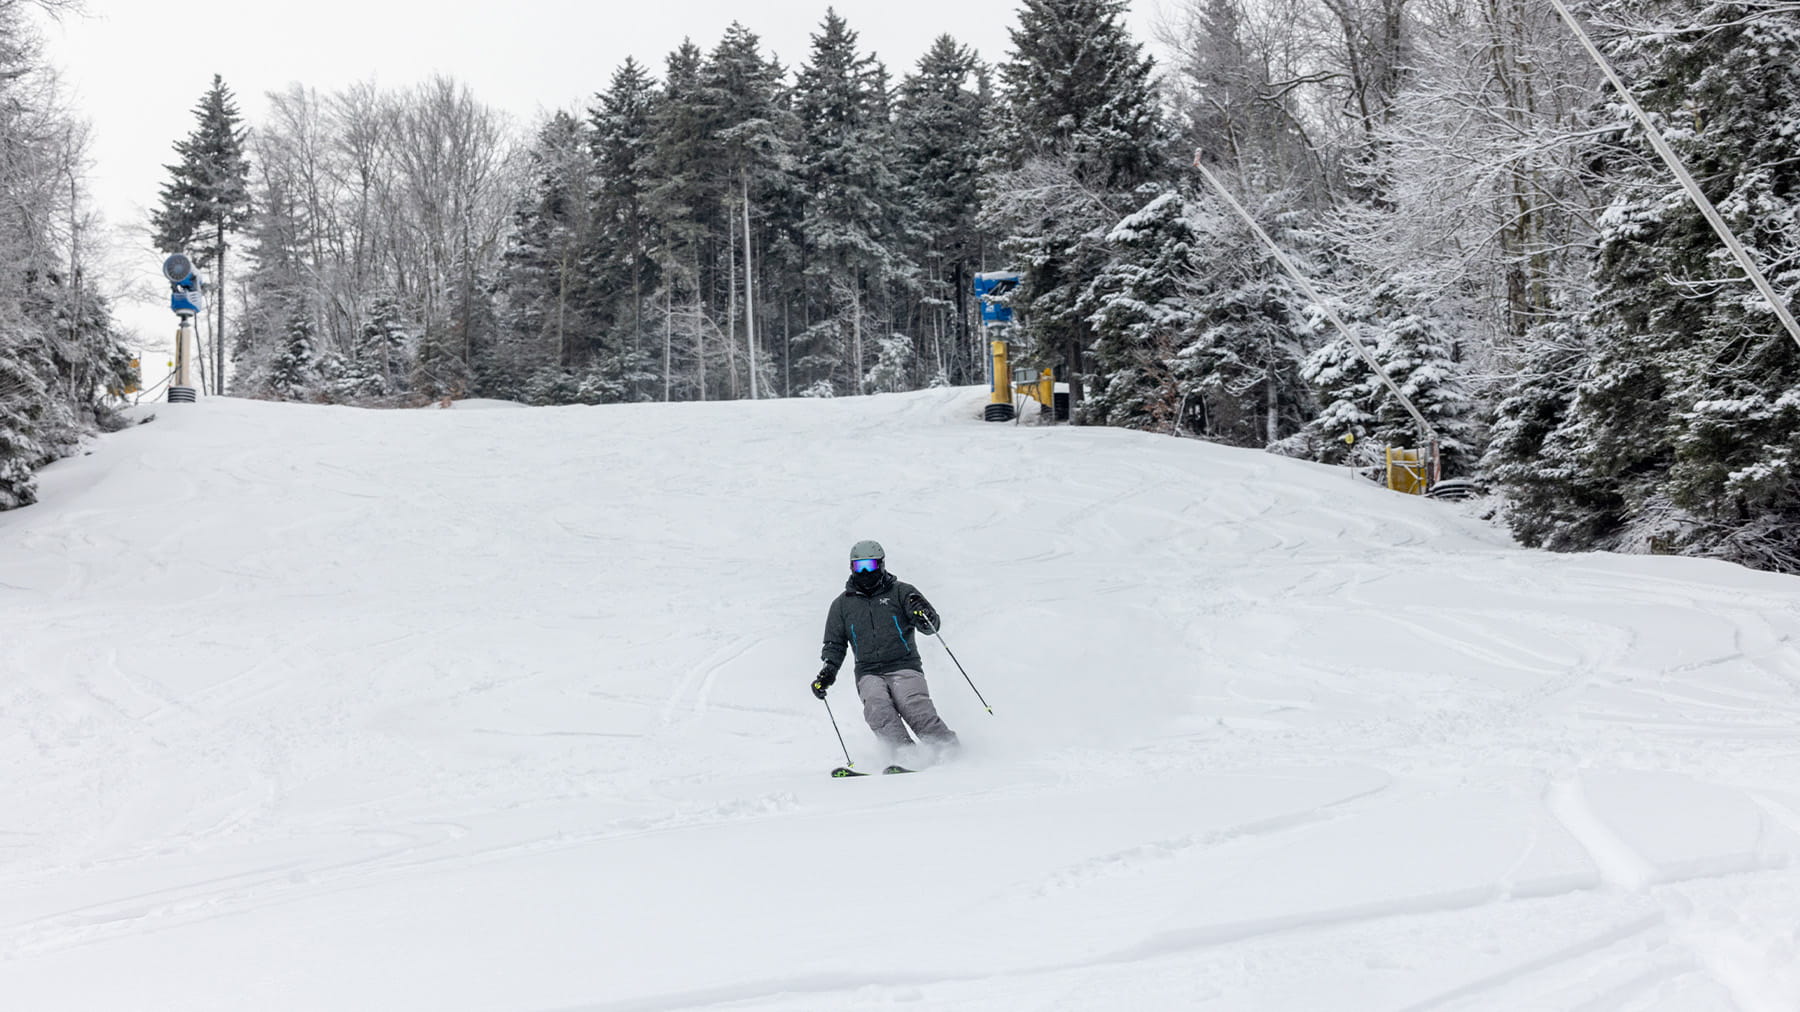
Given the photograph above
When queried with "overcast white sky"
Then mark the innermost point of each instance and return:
(136, 68)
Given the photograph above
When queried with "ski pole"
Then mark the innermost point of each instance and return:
(965, 674)
(848, 762)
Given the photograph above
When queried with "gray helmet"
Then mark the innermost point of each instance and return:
(867, 550)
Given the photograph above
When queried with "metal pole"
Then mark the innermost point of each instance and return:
(965, 674)
(1426, 433)
(182, 379)
(1669, 158)
(848, 762)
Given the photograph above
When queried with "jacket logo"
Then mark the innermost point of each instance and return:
(887, 602)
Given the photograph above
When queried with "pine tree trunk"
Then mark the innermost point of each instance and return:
(968, 354)
(562, 299)
(637, 313)
(749, 287)
(219, 332)
(668, 340)
(468, 302)
(1272, 405)
(699, 330)
(731, 304)
(856, 333)
(1075, 392)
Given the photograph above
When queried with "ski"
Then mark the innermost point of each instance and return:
(845, 771)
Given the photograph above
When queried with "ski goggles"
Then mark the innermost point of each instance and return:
(865, 565)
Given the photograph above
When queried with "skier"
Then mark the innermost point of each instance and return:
(876, 616)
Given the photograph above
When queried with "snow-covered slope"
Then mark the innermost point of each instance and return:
(317, 708)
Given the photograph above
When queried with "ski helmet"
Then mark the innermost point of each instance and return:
(867, 550)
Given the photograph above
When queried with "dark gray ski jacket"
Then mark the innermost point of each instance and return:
(879, 626)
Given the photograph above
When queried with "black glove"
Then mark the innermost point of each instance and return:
(827, 678)
(924, 618)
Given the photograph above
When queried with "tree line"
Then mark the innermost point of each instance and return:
(725, 228)
(1491, 219)
(1455, 175)
(59, 349)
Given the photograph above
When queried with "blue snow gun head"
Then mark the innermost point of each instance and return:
(184, 286)
(992, 285)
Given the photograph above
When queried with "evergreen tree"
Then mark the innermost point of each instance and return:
(1141, 316)
(940, 122)
(1685, 432)
(1414, 351)
(1078, 87)
(620, 268)
(894, 365)
(540, 269)
(1083, 130)
(851, 219)
(207, 199)
(294, 370)
(1529, 452)
(744, 90)
(385, 342)
(1245, 367)
(59, 350)
(685, 203)
(23, 399)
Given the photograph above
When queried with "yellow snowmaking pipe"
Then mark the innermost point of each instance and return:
(1000, 394)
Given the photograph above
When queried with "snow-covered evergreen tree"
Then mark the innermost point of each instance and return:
(385, 345)
(1421, 359)
(620, 271)
(1141, 315)
(685, 202)
(207, 199)
(23, 400)
(851, 218)
(1082, 130)
(294, 370)
(940, 123)
(894, 366)
(543, 321)
(1529, 450)
(1245, 364)
(1078, 86)
(59, 351)
(1684, 431)
(745, 91)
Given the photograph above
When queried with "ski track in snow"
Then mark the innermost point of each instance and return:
(321, 708)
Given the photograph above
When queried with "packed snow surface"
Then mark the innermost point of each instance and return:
(319, 708)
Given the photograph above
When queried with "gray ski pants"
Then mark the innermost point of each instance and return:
(892, 703)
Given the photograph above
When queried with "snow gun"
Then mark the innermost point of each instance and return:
(186, 302)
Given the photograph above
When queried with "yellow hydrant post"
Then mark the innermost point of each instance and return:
(1000, 393)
